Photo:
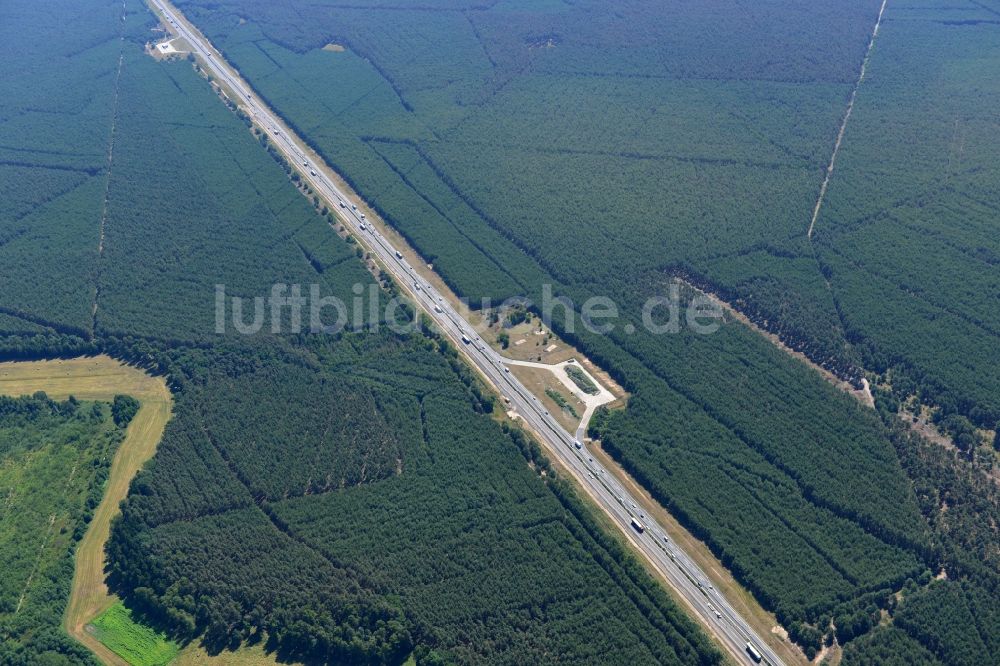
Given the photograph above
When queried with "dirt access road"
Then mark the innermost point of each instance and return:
(98, 378)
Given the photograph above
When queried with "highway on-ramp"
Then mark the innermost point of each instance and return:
(642, 531)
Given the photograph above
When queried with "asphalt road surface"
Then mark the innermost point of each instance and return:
(642, 531)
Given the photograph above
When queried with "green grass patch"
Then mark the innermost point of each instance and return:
(561, 401)
(581, 379)
(136, 643)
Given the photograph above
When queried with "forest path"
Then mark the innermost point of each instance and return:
(843, 124)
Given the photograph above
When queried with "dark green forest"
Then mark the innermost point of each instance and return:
(489, 136)
(702, 160)
(224, 538)
(437, 540)
(349, 498)
(54, 461)
(908, 235)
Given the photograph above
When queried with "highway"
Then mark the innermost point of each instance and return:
(682, 574)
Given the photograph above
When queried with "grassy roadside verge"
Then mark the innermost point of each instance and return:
(98, 378)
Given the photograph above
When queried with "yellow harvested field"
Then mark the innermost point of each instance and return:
(98, 378)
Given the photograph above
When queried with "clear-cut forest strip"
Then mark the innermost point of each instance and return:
(843, 124)
(107, 186)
